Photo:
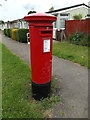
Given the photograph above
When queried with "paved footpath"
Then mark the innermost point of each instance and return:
(72, 82)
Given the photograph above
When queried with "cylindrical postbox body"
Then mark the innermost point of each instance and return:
(41, 32)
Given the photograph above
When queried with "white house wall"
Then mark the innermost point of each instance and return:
(71, 13)
(82, 10)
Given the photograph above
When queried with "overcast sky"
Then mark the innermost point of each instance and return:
(16, 9)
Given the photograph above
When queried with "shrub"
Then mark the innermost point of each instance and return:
(8, 32)
(77, 17)
(84, 40)
(12, 33)
(70, 37)
(79, 38)
(5, 31)
(22, 35)
(16, 35)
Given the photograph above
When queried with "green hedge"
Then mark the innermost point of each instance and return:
(21, 35)
(7, 32)
(16, 35)
(10, 33)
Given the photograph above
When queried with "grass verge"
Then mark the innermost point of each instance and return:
(75, 53)
(16, 90)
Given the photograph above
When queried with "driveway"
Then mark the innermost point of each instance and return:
(71, 80)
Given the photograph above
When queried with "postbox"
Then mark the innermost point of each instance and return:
(41, 33)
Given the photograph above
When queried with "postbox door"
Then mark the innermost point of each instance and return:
(41, 54)
(46, 70)
(46, 58)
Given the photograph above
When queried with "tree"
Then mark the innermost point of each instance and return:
(52, 8)
(77, 17)
(1, 22)
(30, 12)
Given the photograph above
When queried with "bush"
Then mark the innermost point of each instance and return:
(21, 35)
(5, 31)
(16, 35)
(84, 40)
(77, 17)
(12, 33)
(79, 38)
(8, 32)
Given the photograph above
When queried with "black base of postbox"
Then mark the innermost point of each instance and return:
(41, 91)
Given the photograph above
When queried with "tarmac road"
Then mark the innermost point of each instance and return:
(72, 82)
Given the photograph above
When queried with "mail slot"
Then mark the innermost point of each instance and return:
(46, 33)
(41, 32)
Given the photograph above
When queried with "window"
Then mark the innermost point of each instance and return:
(26, 25)
(63, 17)
(63, 14)
(62, 22)
(16, 25)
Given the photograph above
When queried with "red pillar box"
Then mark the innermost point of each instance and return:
(41, 32)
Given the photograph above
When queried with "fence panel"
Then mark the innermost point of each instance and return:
(71, 26)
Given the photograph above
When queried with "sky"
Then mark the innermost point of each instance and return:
(17, 9)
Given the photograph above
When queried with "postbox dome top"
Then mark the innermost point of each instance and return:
(39, 17)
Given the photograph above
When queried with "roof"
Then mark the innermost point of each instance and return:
(68, 8)
(17, 20)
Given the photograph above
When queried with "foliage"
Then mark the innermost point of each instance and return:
(75, 53)
(30, 12)
(17, 101)
(79, 38)
(8, 32)
(21, 35)
(84, 40)
(52, 8)
(12, 33)
(1, 22)
(5, 32)
(77, 17)
(48, 102)
(16, 35)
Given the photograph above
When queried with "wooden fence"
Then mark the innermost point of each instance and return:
(71, 26)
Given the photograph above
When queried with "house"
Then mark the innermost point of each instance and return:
(67, 13)
(19, 23)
